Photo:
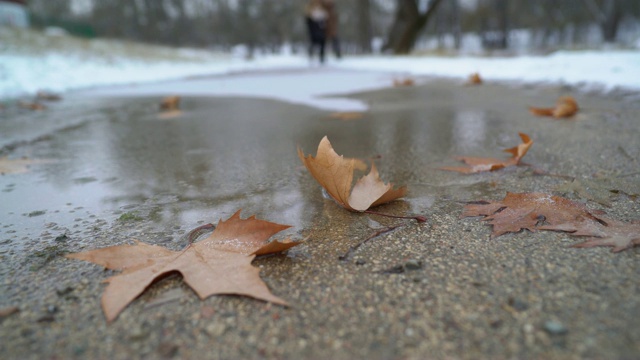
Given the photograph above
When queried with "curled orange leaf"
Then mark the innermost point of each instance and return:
(477, 164)
(565, 107)
(474, 79)
(335, 174)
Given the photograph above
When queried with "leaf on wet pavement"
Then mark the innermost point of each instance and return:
(347, 115)
(170, 103)
(474, 79)
(18, 166)
(219, 264)
(565, 107)
(35, 106)
(477, 164)
(48, 96)
(335, 173)
(616, 234)
(534, 211)
(403, 82)
(170, 107)
(4, 312)
(600, 189)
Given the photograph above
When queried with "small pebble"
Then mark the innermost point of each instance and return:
(518, 304)
(555, 328)
(413, 264)
(215, 329)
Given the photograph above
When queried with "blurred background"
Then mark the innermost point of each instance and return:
(365, 26)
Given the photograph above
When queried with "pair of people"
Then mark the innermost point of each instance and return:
(322, 25)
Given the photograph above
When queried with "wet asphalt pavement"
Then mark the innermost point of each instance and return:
(118, 171)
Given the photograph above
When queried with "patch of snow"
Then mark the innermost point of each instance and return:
(608, 69)
(310, 88)
(24, 74)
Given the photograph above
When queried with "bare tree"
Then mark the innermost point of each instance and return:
(407, 24)
(608, 14)
(364, 25)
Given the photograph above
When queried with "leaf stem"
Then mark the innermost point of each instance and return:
(630, 174)
(353, 249)
(195, 233)
(418, 218)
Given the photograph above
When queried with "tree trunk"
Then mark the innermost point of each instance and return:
(457, 28)
(608, 17)
(407, 25)
(502, 8)
(364, 25)
(612, 16)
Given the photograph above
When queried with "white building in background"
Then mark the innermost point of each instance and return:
(14, 13)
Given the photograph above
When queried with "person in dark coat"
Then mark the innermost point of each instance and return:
(316, 17)
(332, 26)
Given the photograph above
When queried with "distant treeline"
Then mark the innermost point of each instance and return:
(400, 25)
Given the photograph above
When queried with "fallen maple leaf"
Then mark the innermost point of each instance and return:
(565, 107)
(18, 166)
(600, 189)
(219, 264)
(474, 79)
(4, 312)
(47, 96)
(621, 236)
(533, 211)
(170, 103)
(170, 107)
(477, 164)
(35, 106)
(335, 173)
(346, 116)
(403, 82)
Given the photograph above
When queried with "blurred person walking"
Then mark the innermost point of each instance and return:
(316, 17)
(332, 26)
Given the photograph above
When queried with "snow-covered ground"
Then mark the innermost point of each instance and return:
(26, 72)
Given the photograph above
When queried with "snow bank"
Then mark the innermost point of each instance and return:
(24, 75)
(607, 69)
(103, 63)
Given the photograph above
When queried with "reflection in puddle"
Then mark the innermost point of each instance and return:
(469, 129)
(222, 155)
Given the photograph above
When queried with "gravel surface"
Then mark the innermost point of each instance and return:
(440, 289)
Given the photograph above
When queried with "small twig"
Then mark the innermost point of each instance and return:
(353, 249)
(195, 233)
(418, 218)
(630, 174)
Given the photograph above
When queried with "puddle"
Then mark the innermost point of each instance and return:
(114, 156)
(222, 155)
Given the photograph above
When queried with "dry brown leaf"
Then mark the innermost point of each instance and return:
(219, 264)
(18, 166)
(170, 103)
(565, 107)
(346, 116)
(474, 79)
(403, 82)
(169, 114)
(35, 106)
(620, 236)
(534, 211)
(335, 173)
(606, 232)
(4, 312)
(170, 108)
(477, 164)
(47, 96)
